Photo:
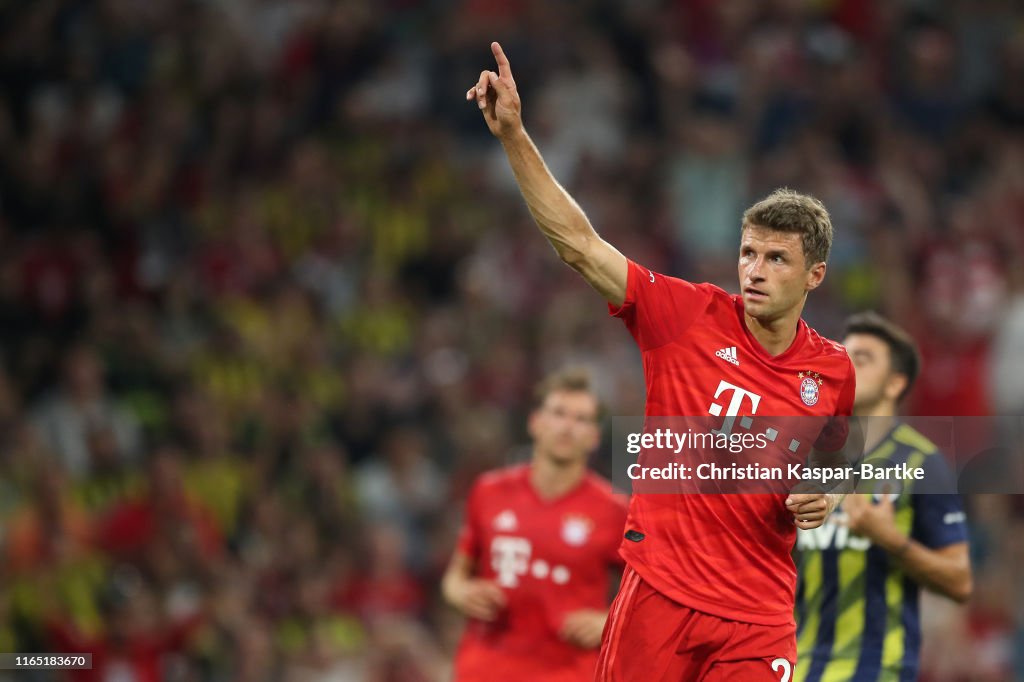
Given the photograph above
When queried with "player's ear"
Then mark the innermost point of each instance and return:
(815, 276)
(894, 386)
(531, 422)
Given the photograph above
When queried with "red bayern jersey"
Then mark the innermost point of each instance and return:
(551, 557)
(727, 555)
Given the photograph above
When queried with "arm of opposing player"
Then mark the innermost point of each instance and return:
(564, 223)
(946, 570)
(937, 556)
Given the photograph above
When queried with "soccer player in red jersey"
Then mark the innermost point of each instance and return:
(708, 591)
(532, 566)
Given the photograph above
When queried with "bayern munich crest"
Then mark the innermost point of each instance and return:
(809, 392)
(576, 530)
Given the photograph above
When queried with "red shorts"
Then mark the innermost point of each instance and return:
(650, 638)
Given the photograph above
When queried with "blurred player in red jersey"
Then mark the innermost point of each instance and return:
(532, 567)
(708, 592)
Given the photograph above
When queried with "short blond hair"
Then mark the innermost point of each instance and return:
(570, 380)
(787, 211)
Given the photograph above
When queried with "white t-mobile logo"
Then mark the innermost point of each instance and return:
(735, 405)
(510, 558)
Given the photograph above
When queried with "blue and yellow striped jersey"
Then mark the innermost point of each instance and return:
(857, 613)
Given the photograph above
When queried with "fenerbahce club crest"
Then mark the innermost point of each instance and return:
(809, 383)
(576, 530)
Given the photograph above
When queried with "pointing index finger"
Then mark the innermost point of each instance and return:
(504, 70)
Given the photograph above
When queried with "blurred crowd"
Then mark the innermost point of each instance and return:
(270, 299)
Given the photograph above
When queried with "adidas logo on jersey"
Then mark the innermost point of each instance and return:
(729, 355)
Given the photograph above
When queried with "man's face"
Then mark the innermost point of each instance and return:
(773, 272)
(872, 364)
(565, 427)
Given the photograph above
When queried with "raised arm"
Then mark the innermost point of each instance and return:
(556, 213)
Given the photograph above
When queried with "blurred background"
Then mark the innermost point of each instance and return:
(270, 300)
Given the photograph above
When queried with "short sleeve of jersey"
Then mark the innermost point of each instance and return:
(615, 559)
(844, 406)
(939, 519)
(833, 437)
(469, 535)
(658, 308)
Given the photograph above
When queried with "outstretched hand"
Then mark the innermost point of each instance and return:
(496, 95)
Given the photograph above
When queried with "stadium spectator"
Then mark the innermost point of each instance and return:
(80, 419)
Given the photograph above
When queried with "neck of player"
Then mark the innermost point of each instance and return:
(552, 477)
(879, 420)
(775, 335)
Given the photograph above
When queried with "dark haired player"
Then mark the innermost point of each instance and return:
(860, 572)
(708, 591)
